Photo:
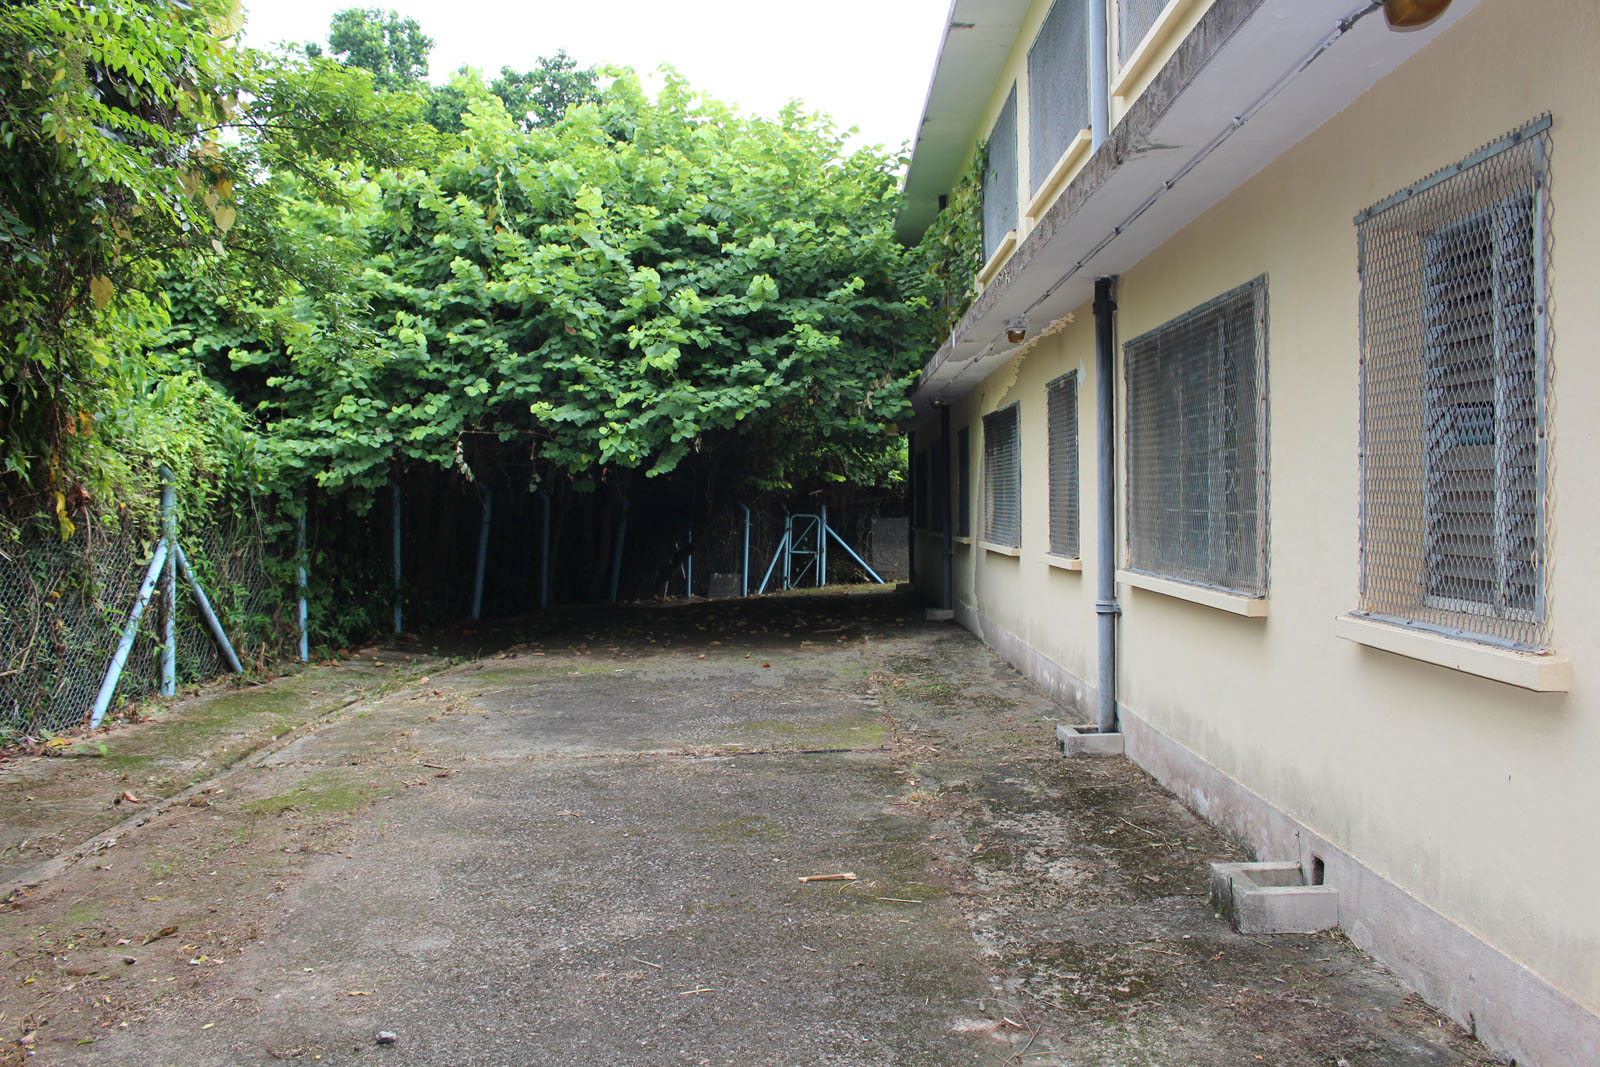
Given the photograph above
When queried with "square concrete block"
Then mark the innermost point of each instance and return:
(939, 614)
(1272, 898)
(1079, 740)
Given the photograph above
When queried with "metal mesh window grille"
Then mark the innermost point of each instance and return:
(1062, 397)
(1134, 19)
(1000, 178)
(1197, 444)
(1002, 477)
(1454, 380)
(1058, 86)
(964, 482)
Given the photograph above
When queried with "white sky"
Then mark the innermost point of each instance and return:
(866, 63)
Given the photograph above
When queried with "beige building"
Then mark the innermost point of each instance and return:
(1338, 411)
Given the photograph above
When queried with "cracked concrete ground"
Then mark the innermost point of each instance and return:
(582, 843)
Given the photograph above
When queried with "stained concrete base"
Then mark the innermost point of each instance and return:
(1509, 1007)
(1079, 740)
(1272, 898)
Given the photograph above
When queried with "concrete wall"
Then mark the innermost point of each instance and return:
(1476, 799)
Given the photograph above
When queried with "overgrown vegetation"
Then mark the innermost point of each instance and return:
(950, 253)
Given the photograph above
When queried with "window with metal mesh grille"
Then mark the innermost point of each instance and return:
(1058, 86)
(964, 482)
(1197, 445)
(1002, 477)
(1454, 372)
(1000, 178)
(1134, 19)
(1062, 402)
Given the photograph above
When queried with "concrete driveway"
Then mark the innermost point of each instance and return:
(586, 845)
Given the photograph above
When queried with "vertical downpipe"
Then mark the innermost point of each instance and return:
(399, 617)
(941, 472)
(1106, 606)
(300, 584)
(788, 549)
(911, 510)
(1099, 74)
(169, 582)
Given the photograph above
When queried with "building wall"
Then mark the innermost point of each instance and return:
(1479, 799)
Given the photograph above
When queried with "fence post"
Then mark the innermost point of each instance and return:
(788, 546)
(744, 571)
(822, 547)
(108, 686)
(300, 581)
(544, 555)
(486, 497)
(399, 617)
(688, 568)
(616, 555)
(169, 590)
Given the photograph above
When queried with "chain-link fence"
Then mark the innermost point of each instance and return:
(64, 603)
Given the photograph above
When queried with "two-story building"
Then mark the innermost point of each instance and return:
(1265, 444)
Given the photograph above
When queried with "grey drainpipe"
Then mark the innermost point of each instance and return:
(942, 470)
(1106, 488)
(1099, 75)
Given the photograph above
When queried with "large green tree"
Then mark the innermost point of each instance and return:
(394, 50)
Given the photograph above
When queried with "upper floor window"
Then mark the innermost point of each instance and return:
(1197, 445)
(1058, 86)
(1134, 19)
(1454, 372)
(1000, 178)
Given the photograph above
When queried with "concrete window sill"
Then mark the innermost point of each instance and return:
(1063, 563)
(1540, 672)
(1002, 550)
(1002, 252)
(1066, 167)
(1251, 607)
(1157, 45)
(962, 539)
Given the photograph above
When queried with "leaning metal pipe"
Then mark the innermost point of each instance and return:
(829, 532)
(300, 584)
(108, 686)
(1106, 606)
(783, 547)
(204, 604)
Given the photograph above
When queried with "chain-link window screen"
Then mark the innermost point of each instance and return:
(1000, 178)
(1454, 379)
(1002, 477)
(1197, 445)
(1058, 86)
(964, 482)
(1134, 19)
(1062, 397)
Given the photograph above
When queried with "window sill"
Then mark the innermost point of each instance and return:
(1540, 672)
(962, 539)
(1153, 47)
(1063, 563)
(1013, 551)
(1066, 167)
(1251, 607)
(1002, 253)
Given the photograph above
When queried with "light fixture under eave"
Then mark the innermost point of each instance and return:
(1409, 14)
(1017, 330)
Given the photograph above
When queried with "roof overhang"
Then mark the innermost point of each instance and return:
(978, 37)
(1252, 79)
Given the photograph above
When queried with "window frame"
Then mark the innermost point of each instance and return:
(995, 448)
(1063, 456)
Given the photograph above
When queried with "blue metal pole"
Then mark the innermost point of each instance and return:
(169, 624)
(300, 581)
(859, 561)
(688, 569)
(204, 603)
(399, 617)
(487, 498)
(544, 556)
(822, 547)
(616, 555)
(788, 545)
(783, 548)
(108, 687)
(744, 571)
